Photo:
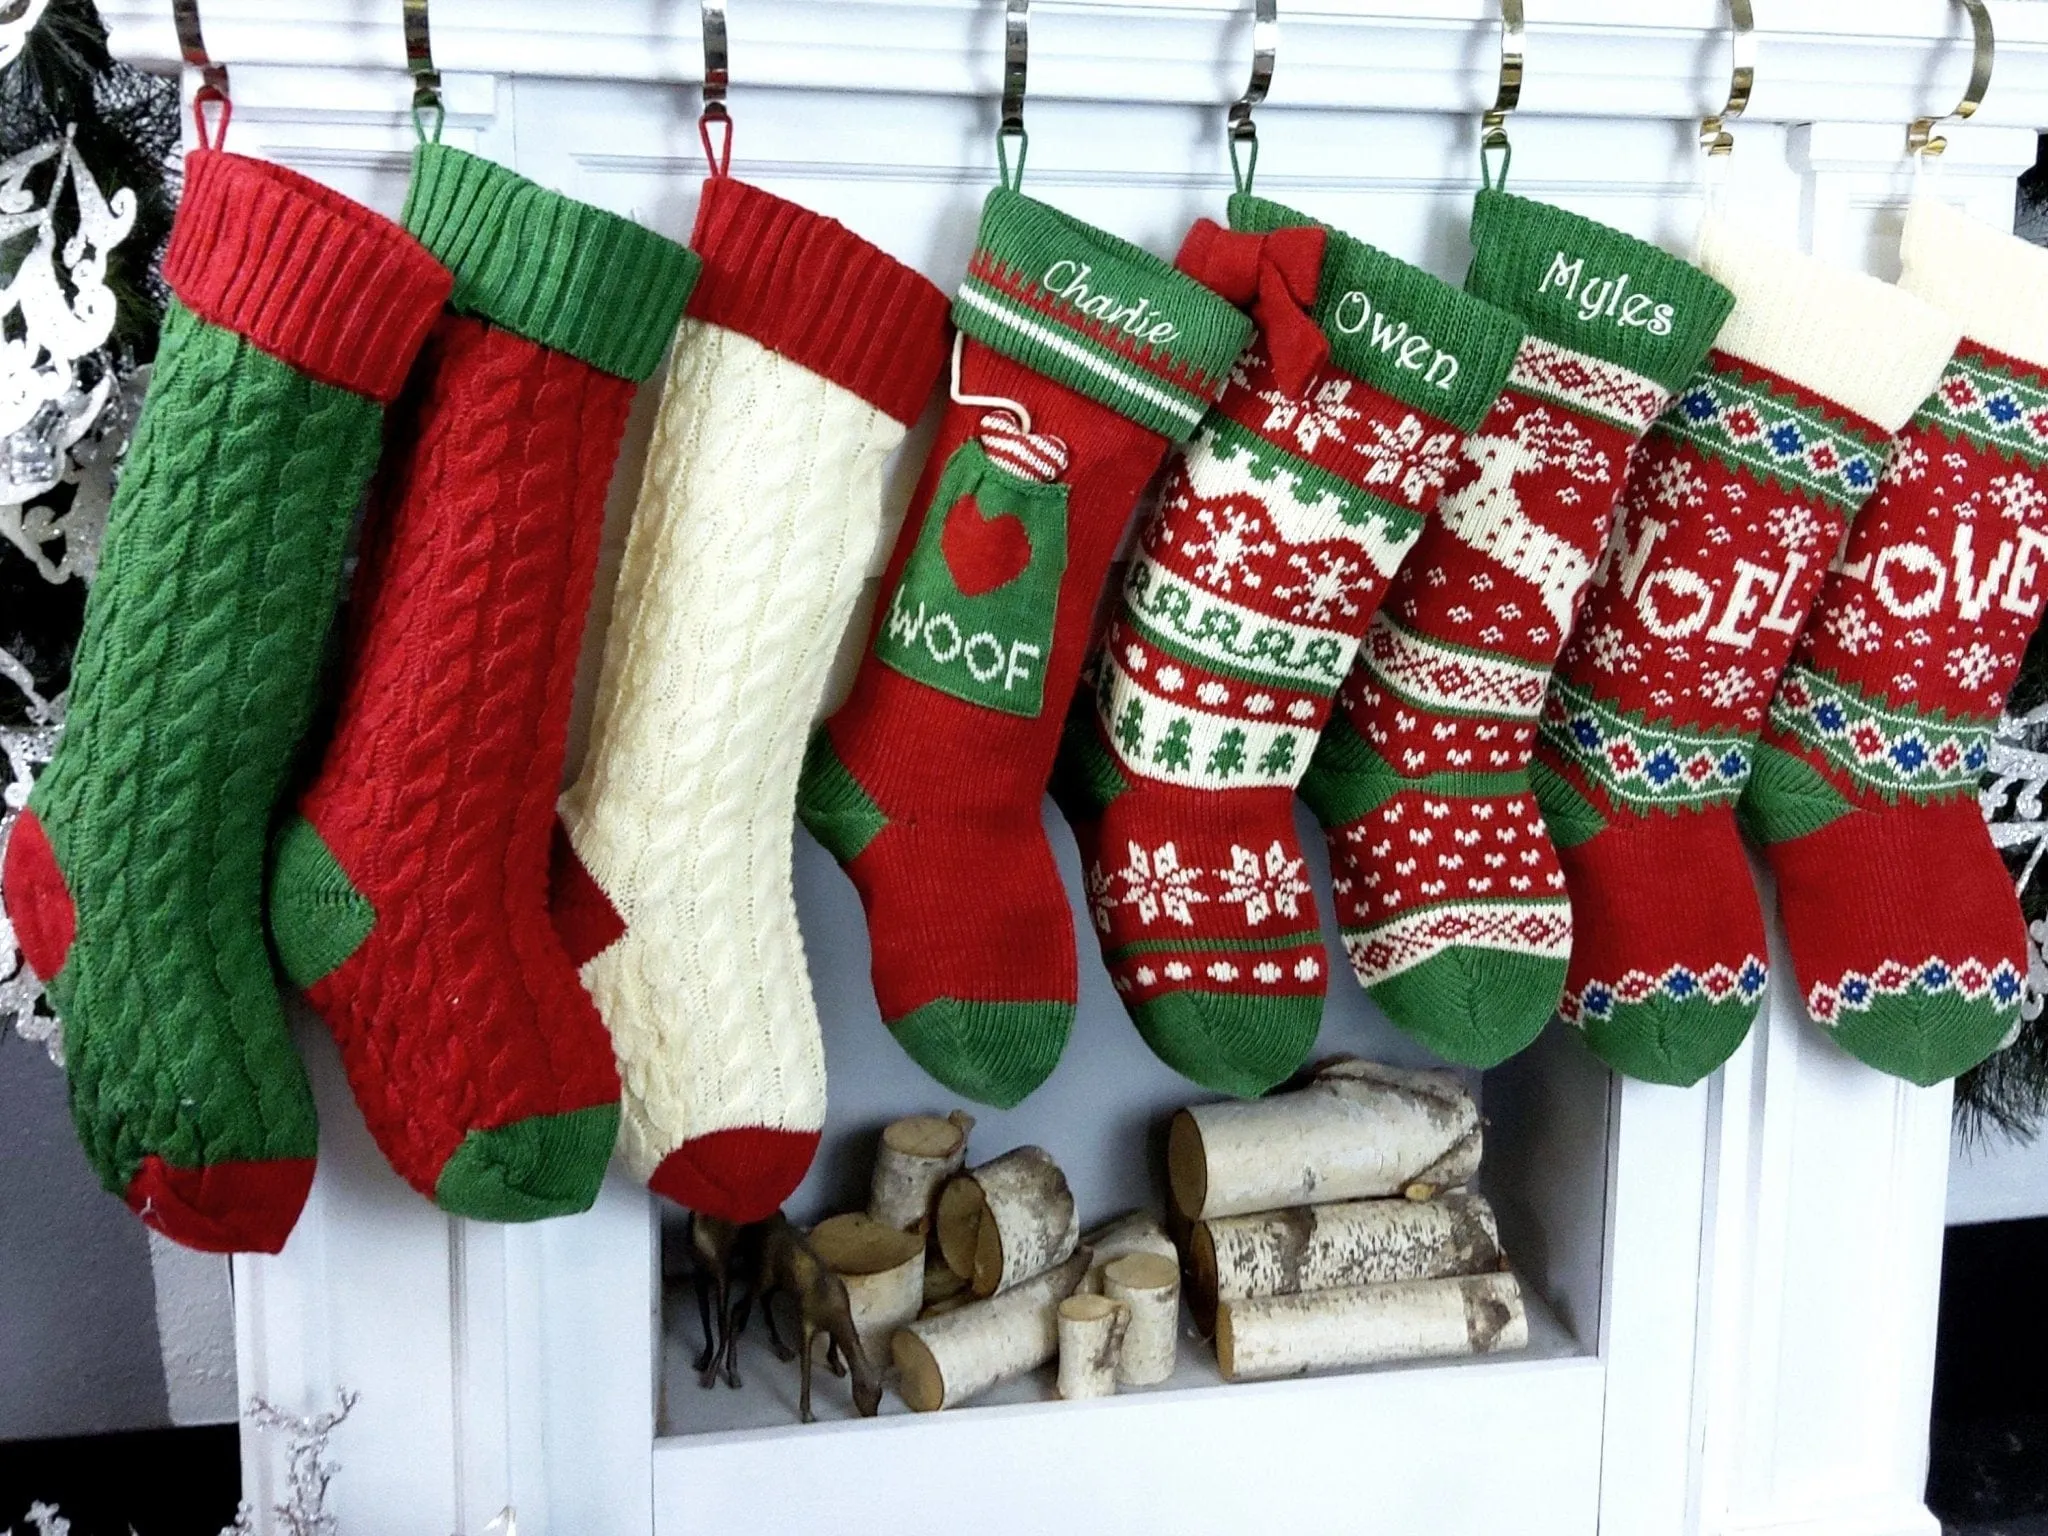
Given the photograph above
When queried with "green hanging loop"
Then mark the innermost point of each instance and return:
(1243, 133)
(426, 79)
(1493, 127)
(1016, 56)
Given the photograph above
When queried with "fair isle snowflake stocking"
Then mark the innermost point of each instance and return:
(1736, 502)
(1906, 937)
(1450, 895)
(1276, 536)
(1084, 359)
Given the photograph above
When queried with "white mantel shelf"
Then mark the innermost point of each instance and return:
(1742, 1276)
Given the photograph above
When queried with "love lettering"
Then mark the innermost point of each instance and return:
(1606, 297)
(1409, 349)
(1069, 280)
(1910, 581)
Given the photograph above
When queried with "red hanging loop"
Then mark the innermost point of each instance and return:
(211, 94)
(719, 159)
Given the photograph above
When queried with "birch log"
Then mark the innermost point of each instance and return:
(1150, 1287)
(1007, 1220)
(1133, 1232)
(942, 1362)
(883, 1270)
(1360, 1131)
(1322, 1247)
(915, 1157)
(1091, 1339)
(1261, 1337)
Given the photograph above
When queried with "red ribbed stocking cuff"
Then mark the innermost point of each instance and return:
(811, 289)
(318, 281)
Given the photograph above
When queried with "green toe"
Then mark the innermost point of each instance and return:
(1229, 1042)
(542, 1166)
(1924, 1038)
(992, 1053)
(1474, 1006)
(1670, 1040)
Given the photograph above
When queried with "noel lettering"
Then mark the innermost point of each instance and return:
(1675, 601)
(1606, 298)
(1355, 315)
(1071, 282)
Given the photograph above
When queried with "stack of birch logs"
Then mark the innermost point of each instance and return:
(969, 1278)
(1329, 1227)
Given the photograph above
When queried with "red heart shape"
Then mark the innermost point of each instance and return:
(983, 552)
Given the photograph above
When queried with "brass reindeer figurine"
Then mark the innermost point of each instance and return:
(714, 1244)
(791, 1267)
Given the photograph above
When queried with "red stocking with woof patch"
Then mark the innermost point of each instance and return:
(1082, 359)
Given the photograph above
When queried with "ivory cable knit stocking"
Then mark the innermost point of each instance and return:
(806, 354)
(135, 876)
(410, 898)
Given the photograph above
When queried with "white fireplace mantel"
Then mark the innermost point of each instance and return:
(1748, 1268)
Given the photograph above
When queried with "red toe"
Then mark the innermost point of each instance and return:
(247, 1207)
(739, 1175)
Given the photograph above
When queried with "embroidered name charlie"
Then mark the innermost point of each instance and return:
(1068, 281)
(1606, 298)
(1410, 349)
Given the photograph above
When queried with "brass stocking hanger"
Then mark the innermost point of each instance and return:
(1243, 132)
(213, 78)
(426, 79)
(1715, 138)
(717, 77)
(1921, 141)
(1493, 127)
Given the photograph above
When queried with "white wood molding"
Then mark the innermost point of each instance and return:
(1749, 1266)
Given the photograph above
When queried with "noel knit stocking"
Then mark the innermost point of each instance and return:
(135, 877)
(1083, 358)
(1449, 892)
(1279, 528)
(806, 355)
(1736, 502)
(409, 897)
(1906, 938)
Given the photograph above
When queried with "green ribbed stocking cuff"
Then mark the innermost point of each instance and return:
(546, 267)
(1578, 283)
(1398, 328)
(1098, 315)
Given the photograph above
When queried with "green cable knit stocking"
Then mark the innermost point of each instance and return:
(134, 878)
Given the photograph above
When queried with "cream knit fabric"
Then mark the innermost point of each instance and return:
(756, 523)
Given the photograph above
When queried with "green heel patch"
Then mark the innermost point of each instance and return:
(317, 916)
(1787, 797)
(1572, 818)
(833, 807)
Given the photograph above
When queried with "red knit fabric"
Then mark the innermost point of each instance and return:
(311, 277)
(807, 287)
(461, 1010)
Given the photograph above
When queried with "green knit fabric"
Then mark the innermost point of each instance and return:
(556, 271)
(195, 678)
(1098, 315)
(1578, 283)
(1398, 328)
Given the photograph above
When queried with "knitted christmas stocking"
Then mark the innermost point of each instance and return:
(1905, 935)
(1084, 357)
(1280, 526)
(135, 876)
(1449, 892)
(806, 355)
(1736, 502)
(409, 898)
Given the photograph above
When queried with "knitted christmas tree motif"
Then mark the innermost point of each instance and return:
(927, 784)
(135, 876)
(1870, 759)
(1278, 531)
(1735, 503)
(1451, 897)
(409, 897)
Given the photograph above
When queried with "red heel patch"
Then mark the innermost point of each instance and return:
(585, 920)
(38, 902)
